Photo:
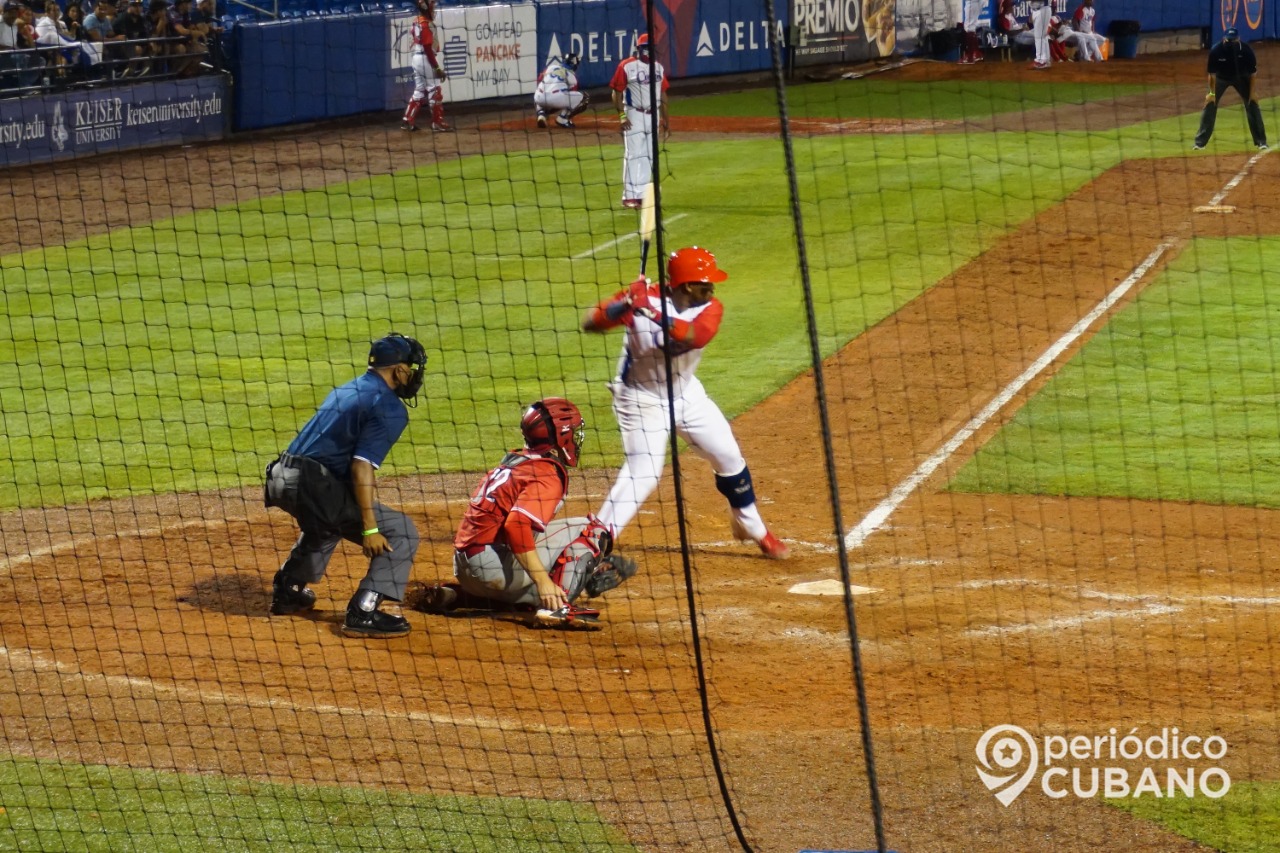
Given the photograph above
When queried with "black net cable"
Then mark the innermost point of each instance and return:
(833, 480)
(681, 521)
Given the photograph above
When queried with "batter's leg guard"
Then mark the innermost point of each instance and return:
(738, 489)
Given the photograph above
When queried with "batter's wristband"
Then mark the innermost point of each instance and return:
(371, 531)
(622, 116)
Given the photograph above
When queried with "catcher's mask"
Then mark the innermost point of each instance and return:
(555, 424)
(395, 349)
(570, 61)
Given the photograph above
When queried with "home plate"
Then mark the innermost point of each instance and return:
(1216, 208)
(829, 587)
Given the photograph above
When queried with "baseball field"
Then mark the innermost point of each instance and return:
(1051, 373)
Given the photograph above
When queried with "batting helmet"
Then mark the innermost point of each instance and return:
(571, 61)
(693, 264)
(555, 424)
(395, 349)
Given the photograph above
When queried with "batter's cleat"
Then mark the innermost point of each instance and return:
(570, 617)
(564, 121)
(289, 596)
(408, 128)
(438, 598)
(632, 203)
(374, 624)
(542, 119)
(774, 548)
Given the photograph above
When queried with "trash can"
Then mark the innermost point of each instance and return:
(1124, 38)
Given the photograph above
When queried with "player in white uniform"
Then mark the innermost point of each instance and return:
(427, 73)
(558, 91)
(1040, 20)
(1088, 40)
(640, 394)
(631, 98)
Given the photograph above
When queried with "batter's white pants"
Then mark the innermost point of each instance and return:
(643, 419)
(563, 101)
(637, 165)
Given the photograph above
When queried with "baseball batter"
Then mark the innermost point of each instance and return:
(640, 394)
(427, 73)
(558, 91)
(1088, 39)
(509, 550)
(631, 98)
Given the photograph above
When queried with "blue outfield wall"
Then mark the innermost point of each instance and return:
(39, 128)
(328, 66)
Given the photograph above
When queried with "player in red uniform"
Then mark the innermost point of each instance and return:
(427, 73)
(509, 550)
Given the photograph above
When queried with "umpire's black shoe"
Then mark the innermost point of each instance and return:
(289, 596)
(375, 624)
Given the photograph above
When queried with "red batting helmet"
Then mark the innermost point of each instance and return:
(555, 424)
(693, 264)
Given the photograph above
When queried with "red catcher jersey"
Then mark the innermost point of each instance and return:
(531, 487)
(422, 38)
(632, 79)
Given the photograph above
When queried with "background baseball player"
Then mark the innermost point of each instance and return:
(427, 73)
(1088, 40)
(640, 394)
(1232, 65)
(508, 550)
(631, 98)
(325, 480)
(558, 91)
(1041, 16)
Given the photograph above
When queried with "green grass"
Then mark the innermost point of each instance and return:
(1246, 820)
(1176, 398)
(185, 354)
(48, 805)
(890, 99)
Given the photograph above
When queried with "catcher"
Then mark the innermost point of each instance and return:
(509, 550)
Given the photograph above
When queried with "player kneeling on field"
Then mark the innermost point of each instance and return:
(510, 551)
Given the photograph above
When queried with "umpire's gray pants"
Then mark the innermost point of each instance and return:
(494, 572)
(388, 572)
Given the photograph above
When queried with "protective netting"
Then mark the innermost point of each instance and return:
(1033, 457)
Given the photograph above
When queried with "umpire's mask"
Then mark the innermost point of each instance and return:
(395, 349)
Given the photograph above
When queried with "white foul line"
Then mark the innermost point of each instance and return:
(858, 535)
(616, 240)
(1235, 182)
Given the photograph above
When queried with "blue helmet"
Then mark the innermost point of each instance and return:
(570, 61)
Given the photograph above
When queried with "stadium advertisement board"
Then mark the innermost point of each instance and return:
(827, 31)
(39, 128)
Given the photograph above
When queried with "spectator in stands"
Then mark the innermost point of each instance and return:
(186, 43)
(105, 41)
(50, 33)
(17, 66)
(209, 27)
(158, 28)
(133, 26)
(73, 21)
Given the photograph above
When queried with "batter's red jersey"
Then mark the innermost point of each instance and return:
(514, 502)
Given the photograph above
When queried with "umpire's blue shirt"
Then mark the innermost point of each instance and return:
(359, 420)
(1232, 60)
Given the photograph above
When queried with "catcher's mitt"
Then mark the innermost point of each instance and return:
(609, 572)
(436, 598)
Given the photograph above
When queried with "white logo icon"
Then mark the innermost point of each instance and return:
(1011, 747)
(59, 135)
(704, 43)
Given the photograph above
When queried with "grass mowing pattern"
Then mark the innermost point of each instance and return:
(46, 805)
(1246, 820)
(1177, 398)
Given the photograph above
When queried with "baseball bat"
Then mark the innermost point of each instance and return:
(648, 224)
